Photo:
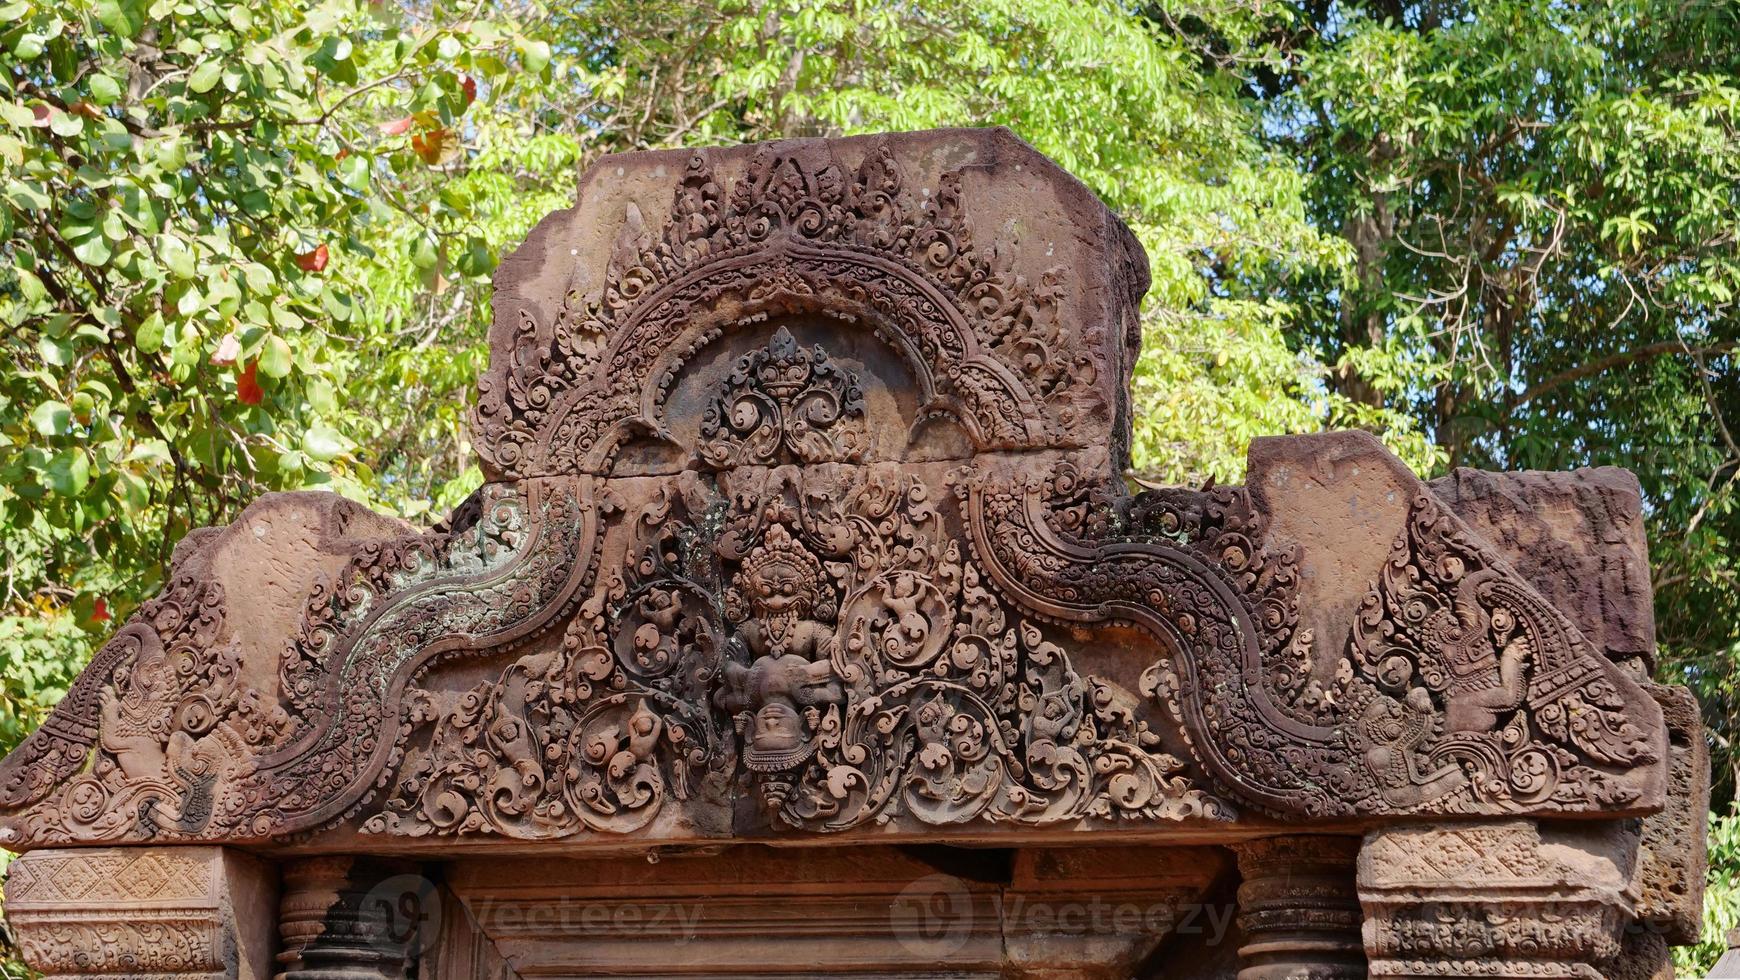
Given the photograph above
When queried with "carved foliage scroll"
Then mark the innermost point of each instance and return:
(1464, 691)
(163, 741)
(782, 403)
(827, 648)
(519, 559)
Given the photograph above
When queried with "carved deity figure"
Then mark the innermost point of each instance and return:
(137, 716)
(777, 699)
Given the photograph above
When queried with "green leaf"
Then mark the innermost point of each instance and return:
(205, 76)
(133, 490)
(57, 351)
(115, 15)
(92, 250)
(423, 252)
(354, 172)
(533, 54)
(68, 473)
(323, 443)
(178, 259)
(27, 195)
(51, 418)
(65, 124)
(275, 357)
(149, 336)
(104, 90)
(29, 46)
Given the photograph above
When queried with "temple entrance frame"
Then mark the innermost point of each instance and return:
(805, 621)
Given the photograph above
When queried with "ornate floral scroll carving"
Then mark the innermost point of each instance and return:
(1480, 691)
(825, 646)
(1441, 708)
(506, 572)
(594, 734)
(782, 403)
(149, 739)
(984, 344)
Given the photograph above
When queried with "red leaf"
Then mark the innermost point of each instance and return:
(468, 85)
(314, 261)
(248, 390)
(100, 611)
(397, 127)
(437, 146)
(42, 113)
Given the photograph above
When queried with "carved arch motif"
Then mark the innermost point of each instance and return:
(792, 235)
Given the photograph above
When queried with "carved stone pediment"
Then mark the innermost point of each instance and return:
(804, 516)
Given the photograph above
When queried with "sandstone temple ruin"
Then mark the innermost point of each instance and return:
(805, 625)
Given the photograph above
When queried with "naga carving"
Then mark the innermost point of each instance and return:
(510, 563)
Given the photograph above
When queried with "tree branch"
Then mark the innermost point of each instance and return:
(1620, 359)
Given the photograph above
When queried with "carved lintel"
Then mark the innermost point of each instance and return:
(1501, 899)
(1299, 909)
(193, 912)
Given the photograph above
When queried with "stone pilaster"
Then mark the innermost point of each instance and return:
(345, 918)
(1299, 909)
(159, 912)
(1499, 899)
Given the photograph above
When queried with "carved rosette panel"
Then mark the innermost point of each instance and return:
(813, 637)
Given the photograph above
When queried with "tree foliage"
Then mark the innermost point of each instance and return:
(247, 246)
(1540, 198)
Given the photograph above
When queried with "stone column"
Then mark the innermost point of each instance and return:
(165, 912)
(346, 918)
(1500, 899)
(1299, 909)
